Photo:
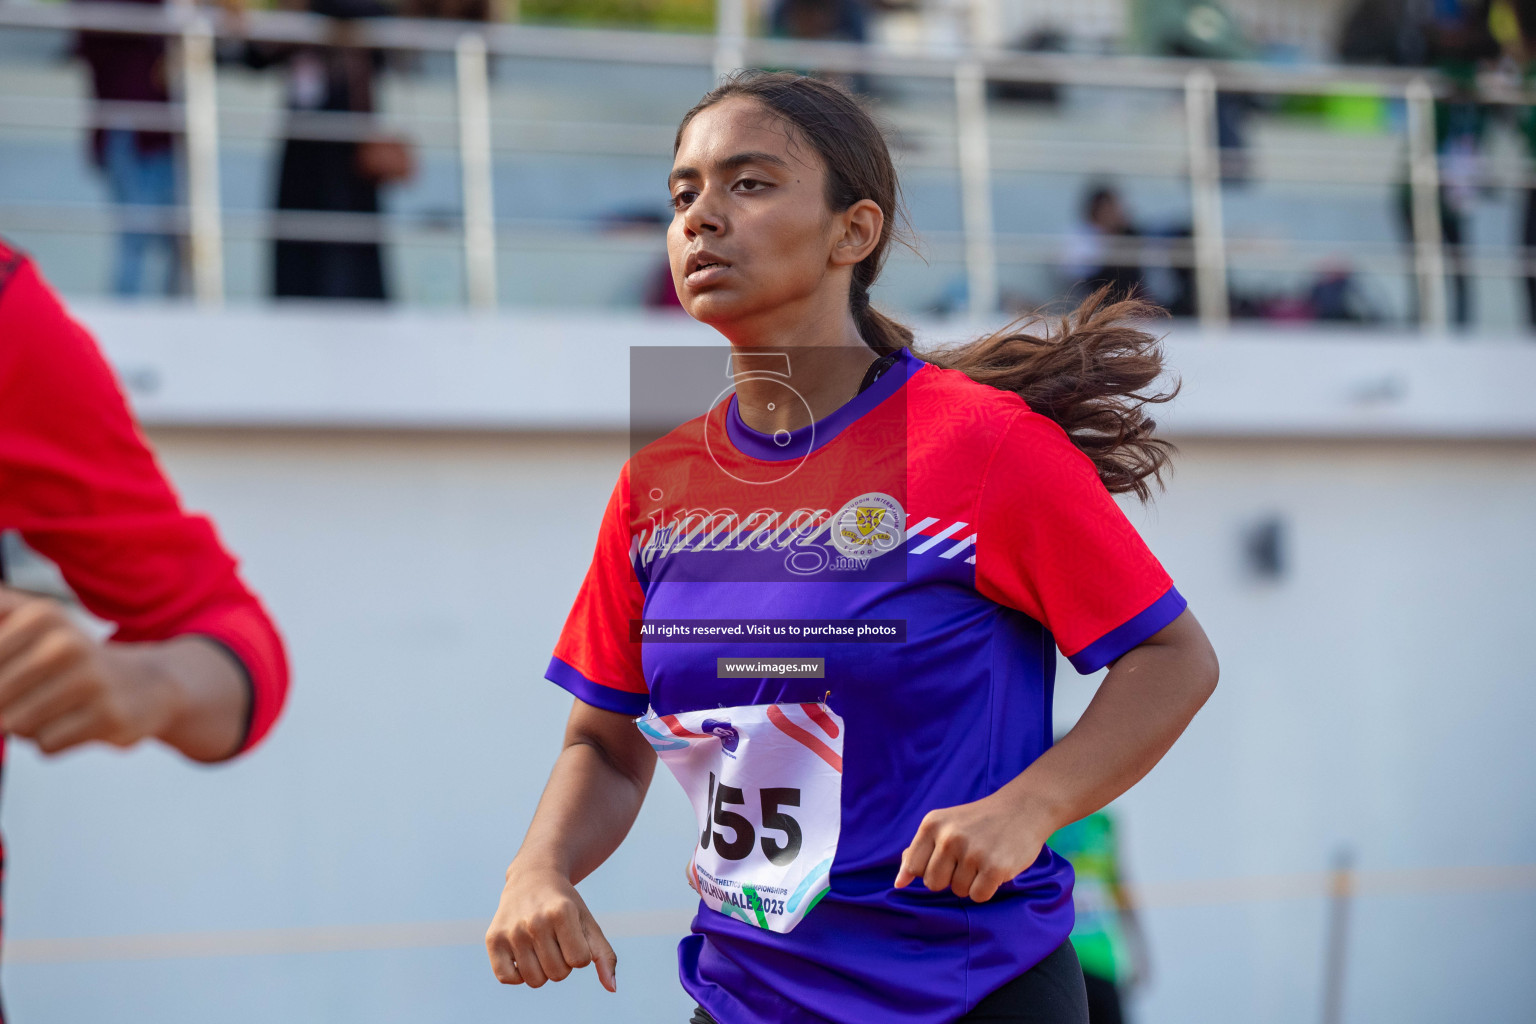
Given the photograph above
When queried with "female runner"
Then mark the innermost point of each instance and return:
(961, 499)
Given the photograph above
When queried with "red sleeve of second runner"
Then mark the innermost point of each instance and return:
(595, 658)
(1052, 543)
(80, 482)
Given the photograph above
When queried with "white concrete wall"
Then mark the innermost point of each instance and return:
(1378, 696)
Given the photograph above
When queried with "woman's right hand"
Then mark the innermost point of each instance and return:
(543, 930)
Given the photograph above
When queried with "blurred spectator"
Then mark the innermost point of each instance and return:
(1336, 295)
(841, 20)
(327, 175)
(1453, 37)
(1104, 250)
(1382, 32)
(451, 10)
(1521, 49)
(139, 165)
(1107, 933)
(1047, 39)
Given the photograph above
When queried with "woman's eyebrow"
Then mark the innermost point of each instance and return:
(730, 163)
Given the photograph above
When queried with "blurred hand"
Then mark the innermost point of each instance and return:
(60, 688)
(974, 848)
(543, 930)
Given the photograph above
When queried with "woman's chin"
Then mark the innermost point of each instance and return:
(714, 308)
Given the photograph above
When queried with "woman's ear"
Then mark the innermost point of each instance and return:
(860, 225)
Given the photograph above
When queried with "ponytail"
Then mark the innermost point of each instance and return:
(1093, 372)
(879, 331)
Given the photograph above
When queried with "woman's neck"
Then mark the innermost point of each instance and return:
(787, 378)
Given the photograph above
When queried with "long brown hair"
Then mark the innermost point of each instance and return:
(1093, 371)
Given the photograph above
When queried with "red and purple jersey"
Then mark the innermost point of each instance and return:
(1007, 545)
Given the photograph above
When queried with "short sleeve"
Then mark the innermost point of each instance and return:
(1052, 543)
(595, 658)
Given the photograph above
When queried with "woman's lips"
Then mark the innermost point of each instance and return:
(707, 275)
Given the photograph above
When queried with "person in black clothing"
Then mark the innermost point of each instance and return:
(1454, 38)
(321, 174)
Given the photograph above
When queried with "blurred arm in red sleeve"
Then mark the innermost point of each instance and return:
(195, 660)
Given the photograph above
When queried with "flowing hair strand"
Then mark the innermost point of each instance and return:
(1093, 371)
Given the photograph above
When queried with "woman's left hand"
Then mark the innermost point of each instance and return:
(974, 848)
(1141, 707)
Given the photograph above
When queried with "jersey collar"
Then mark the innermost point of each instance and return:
(809, 438)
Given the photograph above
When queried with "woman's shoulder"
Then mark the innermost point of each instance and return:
(949, 406)
(937, 390)
(972, 428)
(942, 393)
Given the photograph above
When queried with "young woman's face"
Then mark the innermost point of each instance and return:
(751, 232)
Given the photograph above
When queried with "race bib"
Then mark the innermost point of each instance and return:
(766, 783)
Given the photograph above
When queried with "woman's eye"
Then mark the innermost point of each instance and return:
(751, 185)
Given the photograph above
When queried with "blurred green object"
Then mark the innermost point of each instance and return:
(1365, 115)
(1301, 106)
(1098, 935)
(684, 15)
(1342, 112)
(1187, 28)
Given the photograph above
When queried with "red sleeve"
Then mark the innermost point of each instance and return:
(1052, 543)
(595, 657)
(80, 483)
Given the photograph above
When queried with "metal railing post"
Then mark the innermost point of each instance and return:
(1341, 890)
(201, 104)
(474, 110)
(1424, 185)
(730, 36)
(1205, 197)
(974, 154)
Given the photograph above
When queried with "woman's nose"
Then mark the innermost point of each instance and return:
(702, 218)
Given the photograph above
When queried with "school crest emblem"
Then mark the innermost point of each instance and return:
(869, 526)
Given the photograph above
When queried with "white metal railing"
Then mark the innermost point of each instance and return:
(1205, 199)
(474, 95)
(202, 128)
(969, 69)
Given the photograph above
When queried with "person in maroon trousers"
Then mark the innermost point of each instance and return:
(195, 661)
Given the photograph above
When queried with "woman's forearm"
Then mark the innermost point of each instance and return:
(204, 689)
(543, 929)
(60, 688)
(591, 800)
(1140, 709)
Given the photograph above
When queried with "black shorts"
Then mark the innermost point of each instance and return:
(1051, 992)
